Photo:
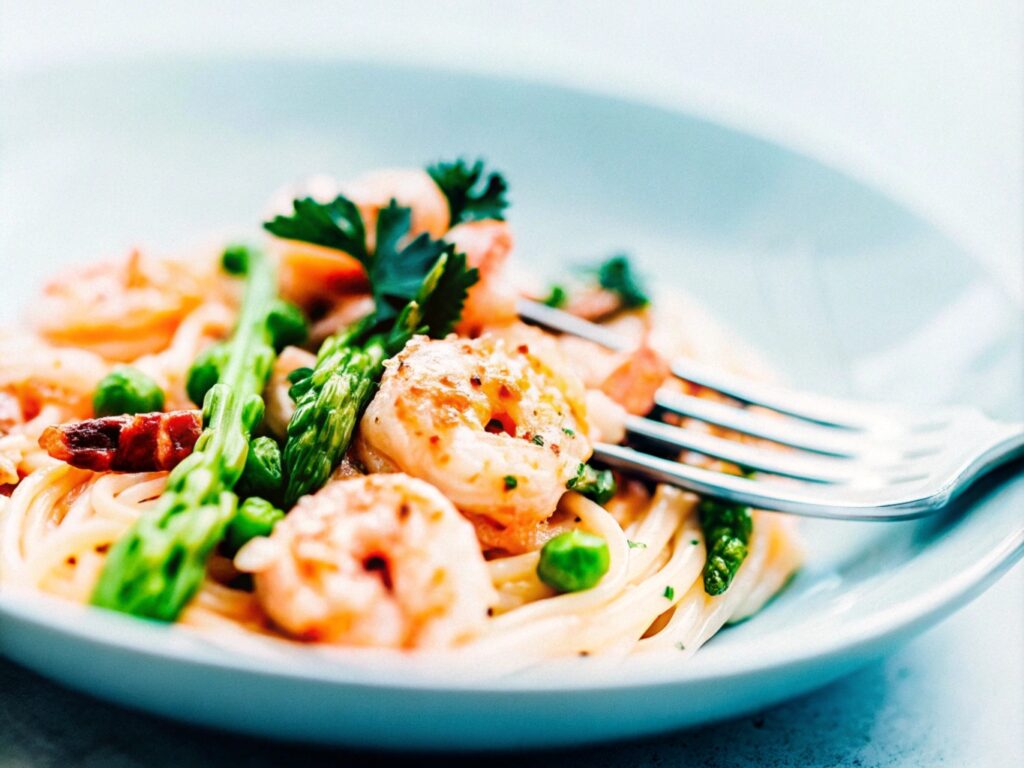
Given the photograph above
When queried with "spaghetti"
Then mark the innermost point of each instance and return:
(58, 523)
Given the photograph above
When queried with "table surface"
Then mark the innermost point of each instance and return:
(864, 86)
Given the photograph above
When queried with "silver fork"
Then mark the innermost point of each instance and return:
(852, 461)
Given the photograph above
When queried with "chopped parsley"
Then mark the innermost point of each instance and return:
(636, 544)
(596, 484)
(537, 440)
(695, 542)
(670, 592)
(473, 195)
(569, 432)
(510, 482)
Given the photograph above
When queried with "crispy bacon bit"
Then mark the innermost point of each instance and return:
(143, 443)
(635, 379)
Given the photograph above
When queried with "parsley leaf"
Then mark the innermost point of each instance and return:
(472, 194)
(443, 307)
(396, 269)
(557, 298)
(396, 273)
(337, 224)
(617, 275)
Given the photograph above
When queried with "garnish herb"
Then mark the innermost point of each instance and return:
(127, 390)
(636, 544)
(473, 195)
(511, 482)
(156, 567)
(557, 298)
(573, 561)
(418, 287)
(727, 530)
(670, 592)
(597, 485)
(617, 275)
(537, 440)
(568, 432)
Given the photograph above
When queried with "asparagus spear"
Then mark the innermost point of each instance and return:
(330, 398)
(727, 530)
(157, 566)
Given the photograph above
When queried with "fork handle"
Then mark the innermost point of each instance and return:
(1005, 449)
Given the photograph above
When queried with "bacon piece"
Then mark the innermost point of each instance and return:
(633, 382)
(143, 443)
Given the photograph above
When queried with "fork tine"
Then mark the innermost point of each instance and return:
(796, 464)
(808, 437)
(564, 322)
(812, 500)
(811, 408)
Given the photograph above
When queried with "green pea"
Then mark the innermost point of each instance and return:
(127, 390)
(286, 324)
(573, 561)
(205, 372)
(262, 475)
(235, 259)
(255, 517)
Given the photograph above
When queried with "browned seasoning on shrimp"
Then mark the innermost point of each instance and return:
(146, 442)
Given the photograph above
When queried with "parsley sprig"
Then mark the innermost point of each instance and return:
(418, 287)
(617, 275)
(473, 195)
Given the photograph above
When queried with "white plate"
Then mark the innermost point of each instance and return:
(842, 289)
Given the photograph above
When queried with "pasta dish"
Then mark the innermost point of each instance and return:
(341, 433)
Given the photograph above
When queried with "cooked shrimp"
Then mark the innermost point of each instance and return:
(280, 405)
(37, 374)
(381, 560)
(492, 301)
(499, 429)
(123, 310)
(412, 188)
(10, 412)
